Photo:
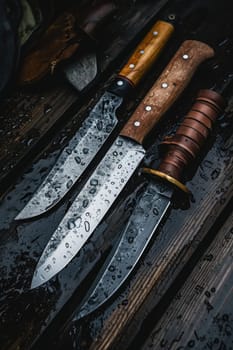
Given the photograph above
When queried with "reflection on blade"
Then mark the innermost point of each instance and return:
(141, 226)
(89, 208)
(75, 157)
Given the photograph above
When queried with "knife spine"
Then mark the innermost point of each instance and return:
(174, 78)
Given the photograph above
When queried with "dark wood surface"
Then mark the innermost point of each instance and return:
(200, 315)
(35, 125)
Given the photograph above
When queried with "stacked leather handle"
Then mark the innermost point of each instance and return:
(183, 147)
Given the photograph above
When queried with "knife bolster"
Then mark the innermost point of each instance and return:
(121, 86)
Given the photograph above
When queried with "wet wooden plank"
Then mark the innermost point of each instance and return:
(200, 315)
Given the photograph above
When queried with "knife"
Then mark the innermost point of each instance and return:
(182, 149)
(119, 163)
(99, 124)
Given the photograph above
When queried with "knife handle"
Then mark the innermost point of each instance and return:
(170, 84)
(146, 53)
(183, 147)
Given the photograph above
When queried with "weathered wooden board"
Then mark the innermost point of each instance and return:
(201, 314)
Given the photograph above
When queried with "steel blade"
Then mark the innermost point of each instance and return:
(83, 71)
(75, 157)
(142, 224)
(89, 207)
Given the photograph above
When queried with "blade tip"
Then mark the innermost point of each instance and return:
(21, 216)
(26, 215)
(83, 312)
(38, 279)
(35, 283)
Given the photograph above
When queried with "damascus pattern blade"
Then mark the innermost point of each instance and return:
(75, 157)
(141, 226)
(89, 208)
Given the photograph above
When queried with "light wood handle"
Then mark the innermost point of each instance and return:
(166, 89)
(147, 52)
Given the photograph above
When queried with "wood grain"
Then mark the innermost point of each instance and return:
(147, 52)
(205, 299)
(167, 88)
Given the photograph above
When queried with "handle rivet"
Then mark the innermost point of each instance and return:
(185, 56)
(155, 33)
(164, 85)
(142, 52)
(137, 123)
(148, 108)
(120, 82)
(172, 16)
(131, 65)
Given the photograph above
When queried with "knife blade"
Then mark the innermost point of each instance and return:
(119, 163)
(156, 199)
(99, 124)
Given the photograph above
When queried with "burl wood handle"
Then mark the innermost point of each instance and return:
(166, 89)
(146, 52)
(183, 147)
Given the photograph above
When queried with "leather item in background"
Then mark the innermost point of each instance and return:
(62, 39)
(19, 21)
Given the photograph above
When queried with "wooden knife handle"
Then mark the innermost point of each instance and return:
(167, 88)
(146, 52)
